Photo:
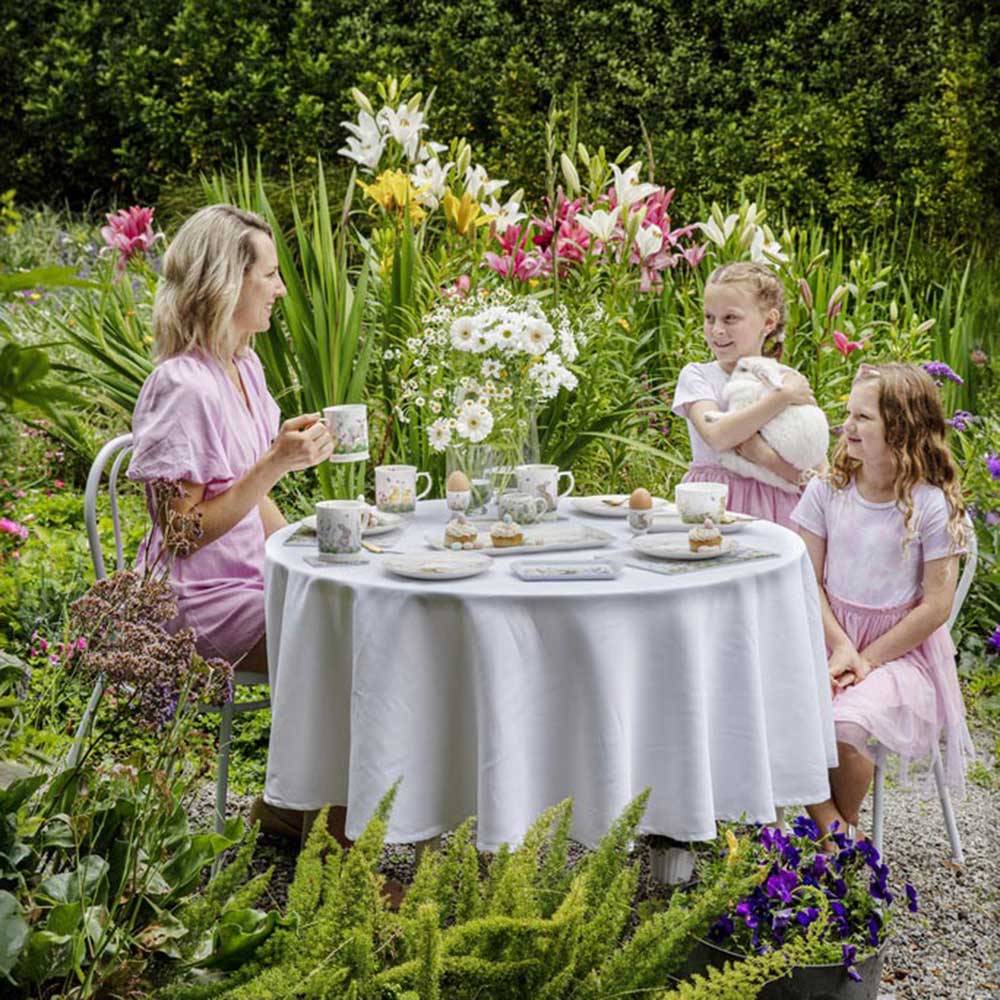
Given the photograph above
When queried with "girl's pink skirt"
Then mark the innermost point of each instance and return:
(904, 706)
(746, 495)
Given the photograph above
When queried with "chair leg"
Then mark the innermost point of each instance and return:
(222, 777)
(949, 812)
(878, 808)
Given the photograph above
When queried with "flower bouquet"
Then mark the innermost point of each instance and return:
(479, 370)
(833, 892)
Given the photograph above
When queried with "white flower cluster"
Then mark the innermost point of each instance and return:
(493, 363)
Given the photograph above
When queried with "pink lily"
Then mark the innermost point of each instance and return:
(694, 255)
(130, 231)
(845, 346)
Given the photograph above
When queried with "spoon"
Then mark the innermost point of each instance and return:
(615, 503)
(377, 549)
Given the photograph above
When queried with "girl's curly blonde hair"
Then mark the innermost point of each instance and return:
(910, 406)
(768, 293)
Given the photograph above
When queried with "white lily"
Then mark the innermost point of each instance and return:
(478, 183)
(506, 215)
(719, 235)
(600, 224)
(404, 126)
(649, 240)
(366, 142)
(430, 179)
(628, 188)
(765, 249)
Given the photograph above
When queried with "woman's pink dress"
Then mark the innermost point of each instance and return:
(905, 705)
(699, 381)
(191, 423)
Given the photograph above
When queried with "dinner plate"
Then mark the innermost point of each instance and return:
(596, 506)
(437, 566)
(386, 523)
(670, 548)
(673, 523)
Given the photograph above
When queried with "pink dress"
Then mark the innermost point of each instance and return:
(905, 705)
(699, 381)
(191, 422)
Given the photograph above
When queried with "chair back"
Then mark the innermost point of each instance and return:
(115, 451)
(968, 571)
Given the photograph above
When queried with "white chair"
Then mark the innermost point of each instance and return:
(119, 449)
(878, 792)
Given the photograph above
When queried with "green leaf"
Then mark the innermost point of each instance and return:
(46, 956)
(238, 936)
(80, 884)
(14, 931)
(17, 792)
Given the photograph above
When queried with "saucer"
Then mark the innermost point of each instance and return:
(386, 523)
(437, 566)
(596, 505)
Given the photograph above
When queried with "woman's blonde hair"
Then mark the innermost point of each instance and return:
(910, 406)
(768, 292)
(203, 272)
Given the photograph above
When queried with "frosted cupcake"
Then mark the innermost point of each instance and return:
(506, 533)
(459, 531)
(705, 536)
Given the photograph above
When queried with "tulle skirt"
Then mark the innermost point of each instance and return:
(746, 495)
(906, 706)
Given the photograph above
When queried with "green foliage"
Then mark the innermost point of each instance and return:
(452, 938)
(845, 110)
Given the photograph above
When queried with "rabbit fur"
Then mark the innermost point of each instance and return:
(799, 434)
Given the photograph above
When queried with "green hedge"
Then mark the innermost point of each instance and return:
(848, 110)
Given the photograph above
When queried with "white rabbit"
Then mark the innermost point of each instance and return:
(799, 434)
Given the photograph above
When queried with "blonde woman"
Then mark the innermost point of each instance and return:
(204, 420)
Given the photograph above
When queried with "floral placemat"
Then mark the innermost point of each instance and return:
(741, 555)
(303, 535)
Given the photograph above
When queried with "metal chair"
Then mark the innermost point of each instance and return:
(118, 449)
(878, 791)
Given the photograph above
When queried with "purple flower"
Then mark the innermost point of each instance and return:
(938, 370)
(803, 826)
(911, 893)
(993, 464)
(994, 641)
(781, 883)
(721, 929)
(848, 956)
(874, 926)
(807, 916)
(992, 518)
(960, 420)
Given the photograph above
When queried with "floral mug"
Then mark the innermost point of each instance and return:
(543, 481)
(338, 528)
(396, 488)
(348, 426)
(522, 507)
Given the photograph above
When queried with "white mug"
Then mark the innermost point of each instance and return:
(543, 481)
(338, 528)
(696, 501)
(396, 488)
(348, 426)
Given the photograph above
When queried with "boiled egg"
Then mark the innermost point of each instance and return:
(640, 499)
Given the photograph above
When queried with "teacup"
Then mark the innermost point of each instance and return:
(522, 507)
(543, 481)
(338, 528)
(348, 426)
(396, 488)
(696, 501)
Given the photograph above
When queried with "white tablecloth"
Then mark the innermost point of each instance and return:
(497, 698)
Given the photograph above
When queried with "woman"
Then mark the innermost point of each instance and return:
(205, 421)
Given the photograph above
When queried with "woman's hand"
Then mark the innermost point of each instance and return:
(301, 443)
(795, 389)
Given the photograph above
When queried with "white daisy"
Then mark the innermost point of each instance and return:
(463, 333)
(491, 368)
(474, 421)
(536, 336)
(440, 434)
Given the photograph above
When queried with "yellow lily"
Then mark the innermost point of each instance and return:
(734, 848)
(394, 191)
(465, 214)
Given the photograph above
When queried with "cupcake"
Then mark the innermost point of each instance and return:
(458, 531)
(506, 533)
(705, 536)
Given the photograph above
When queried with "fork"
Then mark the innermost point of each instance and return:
(615, 503)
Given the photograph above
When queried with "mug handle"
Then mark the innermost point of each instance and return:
(541, 505)
(572, 482)
(430, 483)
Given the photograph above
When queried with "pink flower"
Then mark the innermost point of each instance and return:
(9, 527)
(846, 346)
(806, 292)
(694, 255)
(130, 231)
(58, 484)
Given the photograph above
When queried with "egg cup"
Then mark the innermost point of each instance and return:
(458, 501)
(640, 520)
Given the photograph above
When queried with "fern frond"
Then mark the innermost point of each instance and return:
(554, 876)
(428, 985)
(611, 855)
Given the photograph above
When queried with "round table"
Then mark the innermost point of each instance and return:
(494, 697)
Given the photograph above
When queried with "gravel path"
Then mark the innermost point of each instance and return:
(950, 950)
